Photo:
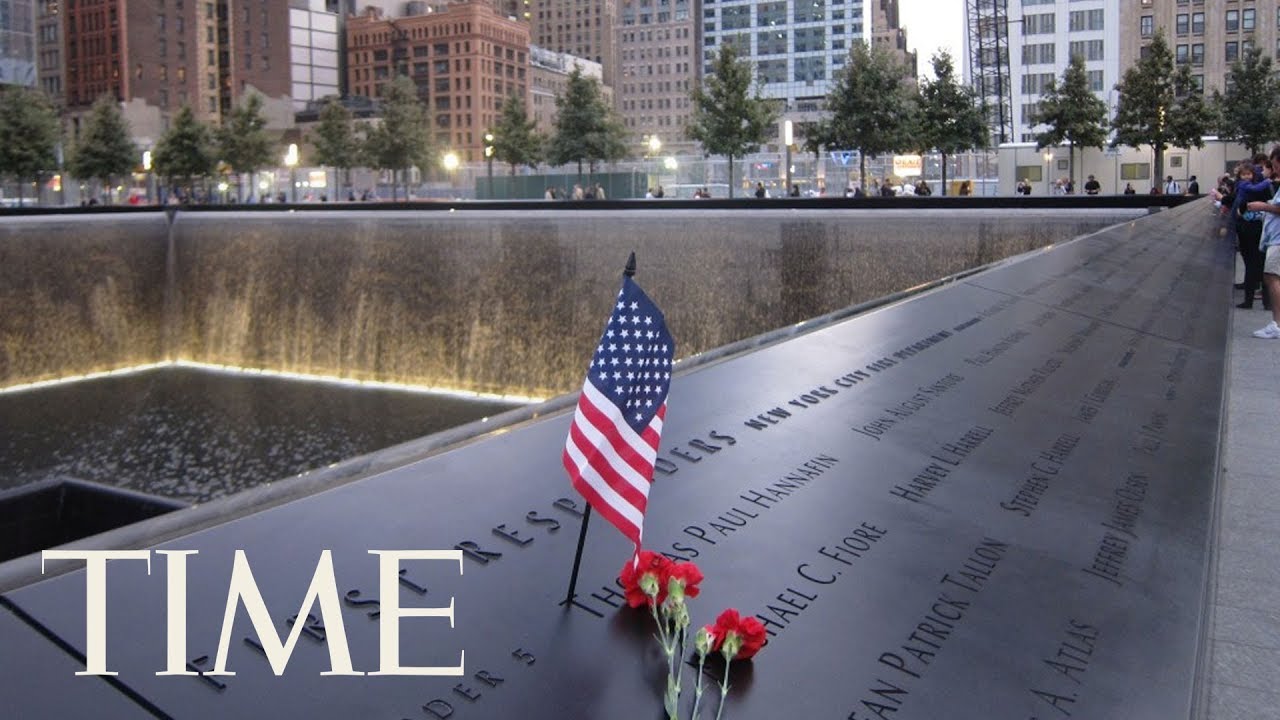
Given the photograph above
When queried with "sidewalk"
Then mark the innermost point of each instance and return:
(1244, 665)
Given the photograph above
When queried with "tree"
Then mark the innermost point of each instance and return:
(105, 148)
(515, 139)
(1072, 112)
(725, 119)
(335, 140)
(1192, 117)
(402, 139)
(1249, 105)
(1159, 107)
(587, 130)
(872, 106)
(244, 142)
(951, 118)
(186, 150)
(29, 134)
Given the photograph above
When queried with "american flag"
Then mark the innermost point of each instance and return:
(613, 441)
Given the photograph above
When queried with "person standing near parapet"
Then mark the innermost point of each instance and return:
(1193, 187)
(1248, 223)
(1270, 246)
(1092, 186)
(1171, 186)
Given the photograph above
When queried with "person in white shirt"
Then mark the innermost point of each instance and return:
(1171, 186)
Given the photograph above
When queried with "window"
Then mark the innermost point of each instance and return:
(1135, 171)
(1197, 54)
(1087, 49)
(1181, 55)
(1086, 20)
(1197, 23)
(1095, 80)
(772, 42)
(772, 71)
(811, 38)
(1042, 53)
(771, 13)
(734, 18)
(810, 68)
(1182, 24)
(1042, 24)
(1029, 112)
(1232, 51)
(1147, 26)
(810, 11)
(1030, 173)
(1248, 19)
(1233, 21)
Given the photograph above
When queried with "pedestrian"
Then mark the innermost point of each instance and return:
(600, 192)
(1092, 186)
(1171, 186)
(1193, 187)
(659, 192)
(795, 190)
(1270, 247)
(1128, 189)
(761, 193)
(966, 189)
(578, 193)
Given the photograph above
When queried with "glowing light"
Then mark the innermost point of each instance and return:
(450, 161)
(285, 375)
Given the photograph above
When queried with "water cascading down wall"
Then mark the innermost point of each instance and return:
(489, 301)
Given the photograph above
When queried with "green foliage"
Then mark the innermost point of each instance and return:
(950, 116)
(1159, 107)
(186, 150)
(587, 129)
(1072, 112)
(515, 139)
(334, 137)
(872, 105)
(29, 134)
(1192, 116)
(243, 140)
(402, 140)
(105, 149)
(726, 119)
(1249, 106)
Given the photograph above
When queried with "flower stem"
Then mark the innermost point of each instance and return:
(697, 688)
(724, 687)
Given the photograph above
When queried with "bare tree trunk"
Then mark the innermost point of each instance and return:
(944, 174)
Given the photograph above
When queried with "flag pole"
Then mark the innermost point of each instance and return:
(628, 271)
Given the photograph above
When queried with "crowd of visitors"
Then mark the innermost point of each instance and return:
(1249, 200)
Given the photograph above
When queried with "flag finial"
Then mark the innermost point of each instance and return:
(630, 270)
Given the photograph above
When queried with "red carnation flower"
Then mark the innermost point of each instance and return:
(743, 635)
(648, 563)
(686, 572)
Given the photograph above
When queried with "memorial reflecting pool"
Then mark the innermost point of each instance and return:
(197, 435)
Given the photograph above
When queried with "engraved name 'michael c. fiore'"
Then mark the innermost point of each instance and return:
(242, 587)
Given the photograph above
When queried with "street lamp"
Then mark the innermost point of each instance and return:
(488, 156)
(1048, 172)
(788, 137)
(291, 162)
(450, 162)
(146, 167)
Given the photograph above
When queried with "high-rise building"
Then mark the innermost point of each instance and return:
(155, 56)
(465, 59)
(656, 44)
(549, 77)
(888, 33)
(796, 47)
(314, 52)
(1208, 35)
(49, 49)
(583, 28)
(1042, 35)
(18, 43)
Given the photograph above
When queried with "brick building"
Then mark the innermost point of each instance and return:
(465, 59)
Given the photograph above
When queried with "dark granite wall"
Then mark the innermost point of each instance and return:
(499, 301)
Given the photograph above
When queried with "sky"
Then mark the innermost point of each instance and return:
(934, 24)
